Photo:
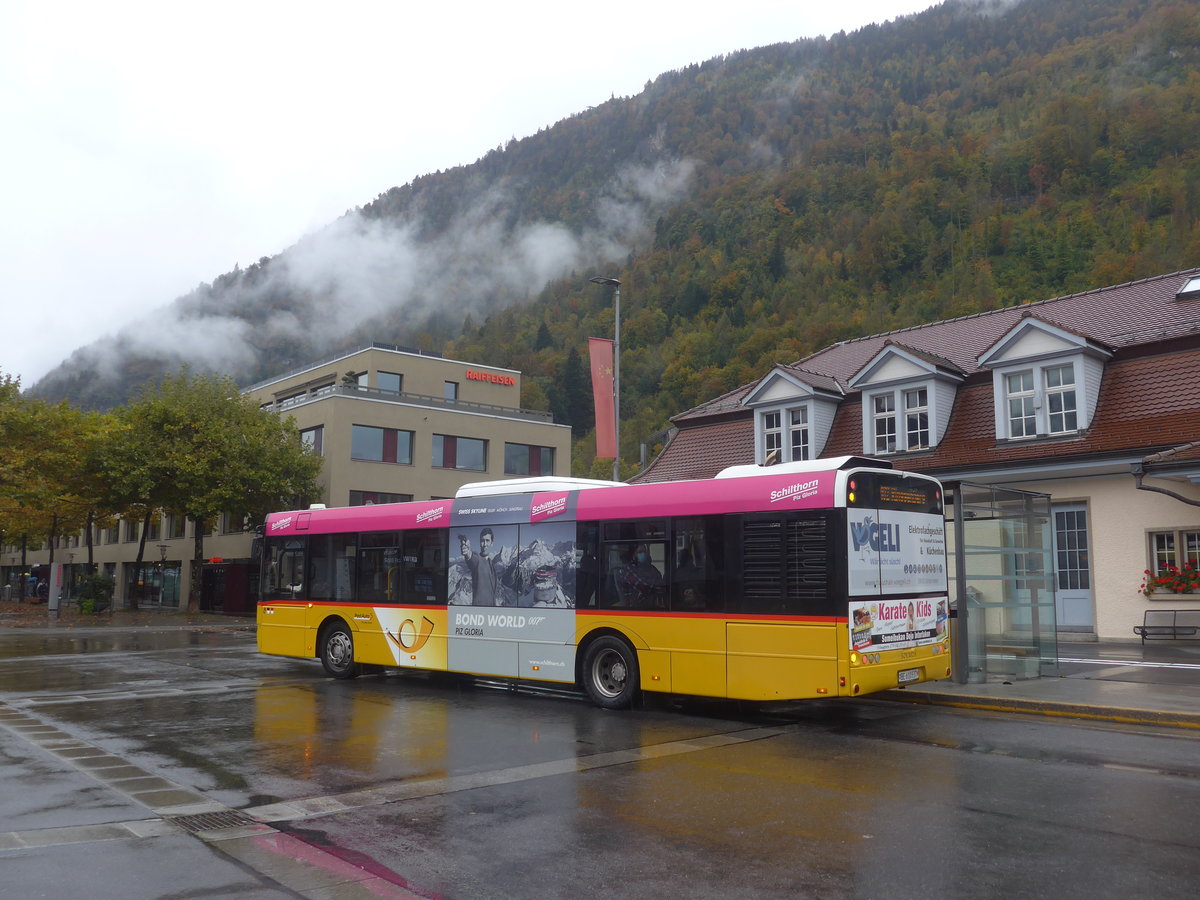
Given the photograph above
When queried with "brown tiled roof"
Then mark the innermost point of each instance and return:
(1146, 404)
(1127, 315)
(703, 452)
(1148, 401)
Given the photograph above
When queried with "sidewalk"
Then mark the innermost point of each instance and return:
(1155, 684)
(36, 616)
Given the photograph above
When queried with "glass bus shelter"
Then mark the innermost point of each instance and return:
(1001, 568)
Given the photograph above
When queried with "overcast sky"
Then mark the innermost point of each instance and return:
(151, 146)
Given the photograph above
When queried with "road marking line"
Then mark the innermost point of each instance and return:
(1129, 662)
(393, 792)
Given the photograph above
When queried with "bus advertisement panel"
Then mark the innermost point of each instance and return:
(897, 624)
(894, 552)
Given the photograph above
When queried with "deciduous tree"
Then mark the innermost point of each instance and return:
(199, 448)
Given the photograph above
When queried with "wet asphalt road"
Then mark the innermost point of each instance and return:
(164, 763)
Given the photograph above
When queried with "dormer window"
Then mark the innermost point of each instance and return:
(907, 396)
(786, 428)
(916, 419)
(899, 420)
(1042, 401)
(1022, 412)
(793, 413)
(772, 434)
(1046, 380)
(1060, 399)
(884, 422)
(798, 434)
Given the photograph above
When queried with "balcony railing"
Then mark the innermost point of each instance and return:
(403, 397)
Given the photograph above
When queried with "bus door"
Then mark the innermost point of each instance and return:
(282, 613)
(696, 558)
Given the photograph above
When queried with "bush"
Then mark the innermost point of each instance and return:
(94, 593)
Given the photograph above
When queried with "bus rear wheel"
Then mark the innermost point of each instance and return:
(337, 650)
(610, 673)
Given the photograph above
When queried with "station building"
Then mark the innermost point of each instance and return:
(391, 424)
(1067, 431)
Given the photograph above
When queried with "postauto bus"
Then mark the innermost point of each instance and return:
(803, 580)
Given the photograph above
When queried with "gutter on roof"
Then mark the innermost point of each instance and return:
(1139, 472)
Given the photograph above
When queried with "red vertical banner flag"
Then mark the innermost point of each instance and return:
(600, 353)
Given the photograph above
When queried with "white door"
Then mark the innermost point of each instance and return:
(1072, 566)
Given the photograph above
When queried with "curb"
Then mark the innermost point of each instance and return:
(1124, 716)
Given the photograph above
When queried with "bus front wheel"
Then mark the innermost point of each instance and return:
(610, 673)
(337, 650)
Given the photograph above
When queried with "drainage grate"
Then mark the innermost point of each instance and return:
(212, 821)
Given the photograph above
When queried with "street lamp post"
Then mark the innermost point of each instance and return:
(616, 286)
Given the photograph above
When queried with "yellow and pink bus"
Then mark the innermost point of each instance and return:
(803, 580)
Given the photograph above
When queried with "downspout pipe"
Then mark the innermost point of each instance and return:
(1139, 473)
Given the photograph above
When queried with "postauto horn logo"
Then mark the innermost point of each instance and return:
(408, 638)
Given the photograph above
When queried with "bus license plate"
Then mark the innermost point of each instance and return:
(909, 675)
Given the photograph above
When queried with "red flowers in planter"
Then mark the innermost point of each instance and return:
(1172, 580)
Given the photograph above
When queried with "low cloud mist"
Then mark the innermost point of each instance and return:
(359, 270)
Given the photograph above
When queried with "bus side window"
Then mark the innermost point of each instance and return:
(424, 555)
(587, 565)
(635, 561)
(697, 583)
(285, 569)
(638, 581)
(614, 563)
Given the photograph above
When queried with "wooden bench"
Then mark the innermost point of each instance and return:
(1169, 624)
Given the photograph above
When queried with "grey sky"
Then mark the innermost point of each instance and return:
(151, 146)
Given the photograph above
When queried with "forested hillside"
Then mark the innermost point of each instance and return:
(756, 208)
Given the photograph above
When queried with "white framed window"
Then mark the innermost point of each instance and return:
(799, 434)
(1041, 401)
(1060, 399)
(772, 434)
(898, 420)
(883, 422)
(785, 435)
(1020, 399)
(916, 419)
